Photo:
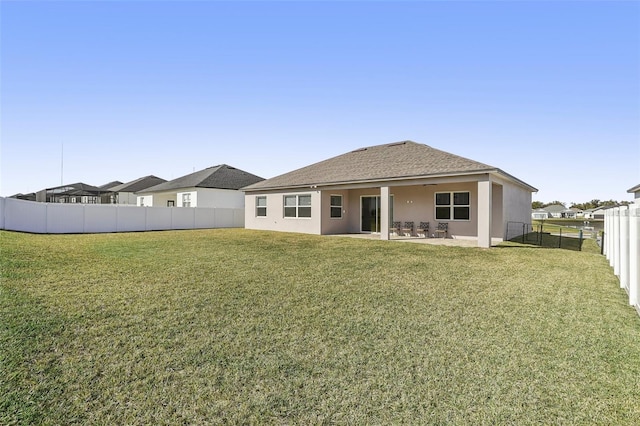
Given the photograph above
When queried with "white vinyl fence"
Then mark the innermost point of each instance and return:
(50, 218)
(622, 248)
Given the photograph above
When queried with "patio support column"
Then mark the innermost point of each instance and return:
(385, 205)
(484, 212)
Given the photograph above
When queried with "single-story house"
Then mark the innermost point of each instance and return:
(539, 214)
(636, 193)
(217, 186)
(370, 189)
(576, 212)
(125, 192)
(556, 210)
(596, 213)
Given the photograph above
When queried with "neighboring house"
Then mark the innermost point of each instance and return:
(28, 197)
(365, 190)
(596, 213)
(108, 196)
(576, 212)
(125, 192)
(636, 193)
(217, 186)
(539, 214)
(556, 210)
(571, 213)
(79, 193)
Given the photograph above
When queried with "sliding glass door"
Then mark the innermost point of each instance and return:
(370, 213)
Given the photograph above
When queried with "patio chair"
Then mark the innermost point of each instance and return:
(423, 228)
(407, 229)
(395, 228)
(443, 228)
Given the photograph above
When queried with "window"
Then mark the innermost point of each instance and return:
(452, 205)
(336, 206)
(186, 200)
(171, 203)
(297, 205)
(261, 206)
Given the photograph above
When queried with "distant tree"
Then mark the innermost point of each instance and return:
(554, 202)
(537, 205)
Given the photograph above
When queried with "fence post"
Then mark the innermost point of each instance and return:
(602, 242)
(560, 239)
(540, 229)
(580, 246)
(624, 247)
(615, 261)
(634, 255)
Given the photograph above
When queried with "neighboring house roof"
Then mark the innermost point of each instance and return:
(110, 185)
(20, 196)
(405, 159)
(220, 177)
(138, 184)
(595, 209)
(598, 209)
(634, 189)
(555, 208)
(76, 189)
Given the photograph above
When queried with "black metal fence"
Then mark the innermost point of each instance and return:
(552, 236)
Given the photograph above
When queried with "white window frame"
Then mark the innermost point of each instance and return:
(297, 206)
(335, 206)
(452, 206)
(186, 199)
(259, 207)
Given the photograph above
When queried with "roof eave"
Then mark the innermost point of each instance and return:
(634, 189)
(389, 179)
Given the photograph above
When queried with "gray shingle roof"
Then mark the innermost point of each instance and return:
(220, 177)
(555, 208)
(405, 159)
(110, 185)
(139, 184)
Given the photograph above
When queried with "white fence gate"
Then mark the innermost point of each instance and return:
(50, 218)
(622, 248)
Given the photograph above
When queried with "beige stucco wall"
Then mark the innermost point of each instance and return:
(275, 220)
(334, 225)
(213, 197)
(156, 199)
(415, 203)
(497, 215)
(127, 198)
(517, 204)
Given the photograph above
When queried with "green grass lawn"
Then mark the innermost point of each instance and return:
(248, 327)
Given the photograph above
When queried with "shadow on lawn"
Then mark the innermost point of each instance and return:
(548, 240)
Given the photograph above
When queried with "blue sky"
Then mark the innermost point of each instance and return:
(547, 91)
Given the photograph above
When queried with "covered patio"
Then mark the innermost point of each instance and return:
(451, 242)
